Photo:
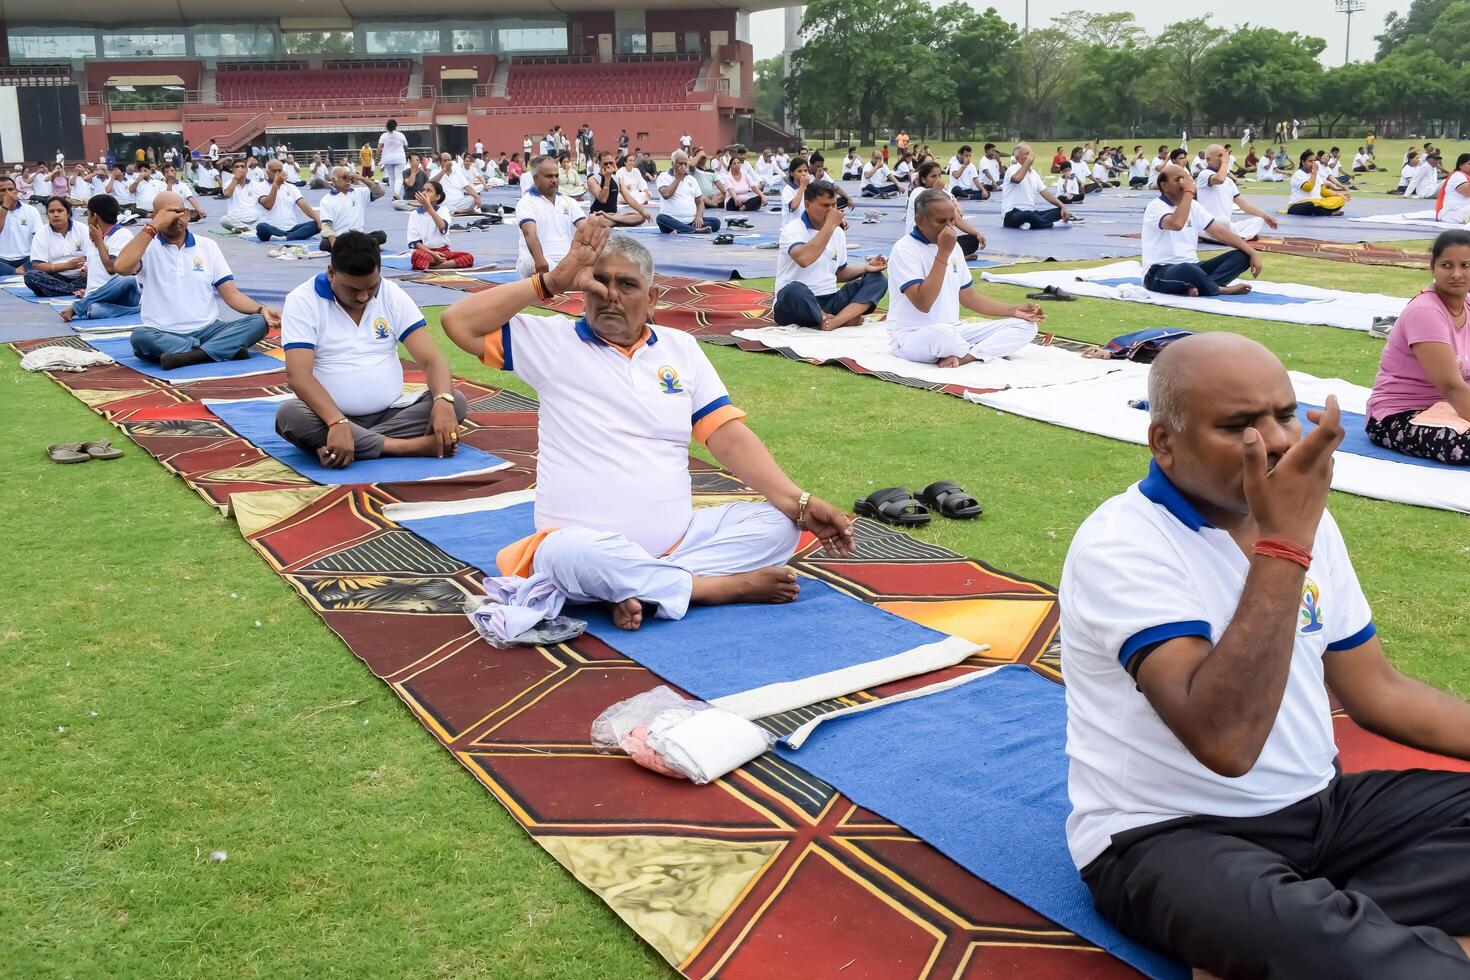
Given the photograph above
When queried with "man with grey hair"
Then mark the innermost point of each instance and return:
(924, 322)
(620, 401)
(1172, 225)
(344, 208)
(1205, 613)
(682, 205)
(281, 204)
(546, 219)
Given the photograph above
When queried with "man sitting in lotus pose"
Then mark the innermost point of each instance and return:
(341, 331)
(1205, 614)
(924, 322)
(816, 286)
(1218, 194)
(1172, 226)
(620, 401)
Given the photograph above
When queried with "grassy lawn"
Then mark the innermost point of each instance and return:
(166, 695)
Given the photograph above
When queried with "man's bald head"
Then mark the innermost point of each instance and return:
(1173, 179)
(168, 201)
(1214, 155)
(172, 204)
(1176, 378)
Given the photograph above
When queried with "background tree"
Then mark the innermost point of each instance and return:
(1415, 22)
(1043, 62)
(770, 88)
(1259, 73)
(978, 52)
(1173, 83)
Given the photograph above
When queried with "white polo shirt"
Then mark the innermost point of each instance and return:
(244, 201)
(556, 220)
(285, 214)
(345, 212)
(41, 184)
(146, 191)
(357, 362)
(788, 194)
(990, 170)
(208, 177)
(821, 276)
(256, 172)
(20, 228)
(49, 245)
(909, 263)
(965, 178)
(681, 204)
(1299, 180)
(1138, 168)
(1162, 246)
(455, 183)
(114, 239)
(614, 420)
(1025, 194)
(1453, 204)
(392, 145)
(423, 231)
(1218, 200)
(120, 192)
(1146, 567)
(876, 175)
(180, 282)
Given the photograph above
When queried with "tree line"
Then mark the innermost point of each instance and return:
(883, 65)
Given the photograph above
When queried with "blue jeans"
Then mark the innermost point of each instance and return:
(222, 340)
(295, 233)
(1038, 220)
(118, 296)
(797, 304)
(669, 225)
(9, 267)
(1204, 277)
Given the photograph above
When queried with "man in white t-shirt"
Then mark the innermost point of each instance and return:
(1266, 171)
(620, 401)
(1425, 182)
(769, 173)
(461, 190)
(19, 222)
(680, 202)
(107, 294)
(1172, 225)
(479, 148)
(1205, 613)
(284, 213)
(213, 151)
(816, 285)
(1454, 201)
(1138, 168)
(1218, 194)
(340, 332)
(964, 177)
(242, 200)
(182, 280)
(1021, 192)
(344, 208)
(932, 284)
(547, 219)
(878, 179)
(144, 187)
(393, 155)
(990, 169)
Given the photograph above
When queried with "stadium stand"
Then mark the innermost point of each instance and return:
(255, 82)
(590, 83)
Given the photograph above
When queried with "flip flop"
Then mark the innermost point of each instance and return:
(1052, 292)
(67, 452)
(951, 500)
(101, 449)
(894, 506)
(723, 239)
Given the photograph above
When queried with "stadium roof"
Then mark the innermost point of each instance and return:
(95, 13)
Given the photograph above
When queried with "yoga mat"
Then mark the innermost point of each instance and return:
(23, 292)
(714, 651)
(1268, 299)
(120, 349)
(965, 769)
(255, 420)
(1355, 441)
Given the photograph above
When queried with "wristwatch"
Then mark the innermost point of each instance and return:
(446, 397)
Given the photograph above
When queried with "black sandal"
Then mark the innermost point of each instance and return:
(951, 500)
(1052, 292)
(894, 506)
(724, 239)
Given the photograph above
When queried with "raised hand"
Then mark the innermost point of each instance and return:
(946, 240)
(1287, 499)
(574, 271)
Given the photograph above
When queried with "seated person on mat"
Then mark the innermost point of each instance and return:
(281, 204)
(614, 517)
(793, 192)
(930, 177)
(1021, 191)
(681, 204)
(816, 286)
(989, 168)
(1172, 225)
(878, 179)
(428, 233)
(107, 294)
(461, 189)
(631, 182)
(242, 197)
(1426, 179)
(19, 222)
(1205, 614)
(58, 253)
(1308, 185)
(1421, 398)
(709, 181)
(170, 182)
(340, 331)
(1266, 171)
(144, 187)
(1219, 195)
(1138, 169)
(1068, 187)
(924, 322)
(852, 165)
(964, 178)
(742, 187)
(181, 276)
(1453, 203)
(344, 208)
(817, 167)
(546, 218)
(605, 197)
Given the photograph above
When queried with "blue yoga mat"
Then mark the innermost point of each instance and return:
(980, 772)
(500, 276)
(120, 349)
(105, 323)
(714, 650)
(1356, 441)
(1253, 297)
(255, 420)
(23, 292)
(399, 263)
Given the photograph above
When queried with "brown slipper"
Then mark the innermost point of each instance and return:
(101, 449)
(66, 452)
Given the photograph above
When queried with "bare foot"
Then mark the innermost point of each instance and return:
(66, 313)
(829, 322)
(1237, 289)
(1198, 974)
(1192, 292)
(949, 362)
(765, 585)
(425, 445)
(628, 614)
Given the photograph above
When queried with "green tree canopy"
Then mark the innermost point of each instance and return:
(1260, 73)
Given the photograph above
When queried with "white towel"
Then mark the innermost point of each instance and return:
(63, 359)
(705, 745)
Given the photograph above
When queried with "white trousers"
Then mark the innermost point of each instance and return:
(1271, 177)
(393, 178)
(232, 224)
(1458, 215)
(983, 340)
(1422, 187)
(1247, 228)
(604, 566)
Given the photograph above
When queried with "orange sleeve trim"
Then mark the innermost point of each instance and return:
(517, 558)
(706, 426)
(494, 355)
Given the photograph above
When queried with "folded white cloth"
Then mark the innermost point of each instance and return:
(705, 745)
(517, 605)
(63, 359)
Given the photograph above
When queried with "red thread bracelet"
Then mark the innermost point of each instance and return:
(1283, 549)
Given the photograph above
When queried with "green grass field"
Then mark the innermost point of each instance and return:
(165, 695)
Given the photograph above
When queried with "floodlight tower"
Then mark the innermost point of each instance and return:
(1349, 7)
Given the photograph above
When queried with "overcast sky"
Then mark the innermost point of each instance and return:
(1318, 17)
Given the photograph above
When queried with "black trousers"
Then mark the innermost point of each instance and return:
(1367, 879)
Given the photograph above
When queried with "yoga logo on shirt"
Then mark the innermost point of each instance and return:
(668, 379)
(198, 265)
(1311, 608)
(380, 328)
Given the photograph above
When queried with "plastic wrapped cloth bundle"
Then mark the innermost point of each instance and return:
(519, 611)
(679, 737)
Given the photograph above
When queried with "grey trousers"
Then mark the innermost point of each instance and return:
(302, 428)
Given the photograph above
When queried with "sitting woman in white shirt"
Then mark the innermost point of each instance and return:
(58, 253)
(742, 187)
(930, 176)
